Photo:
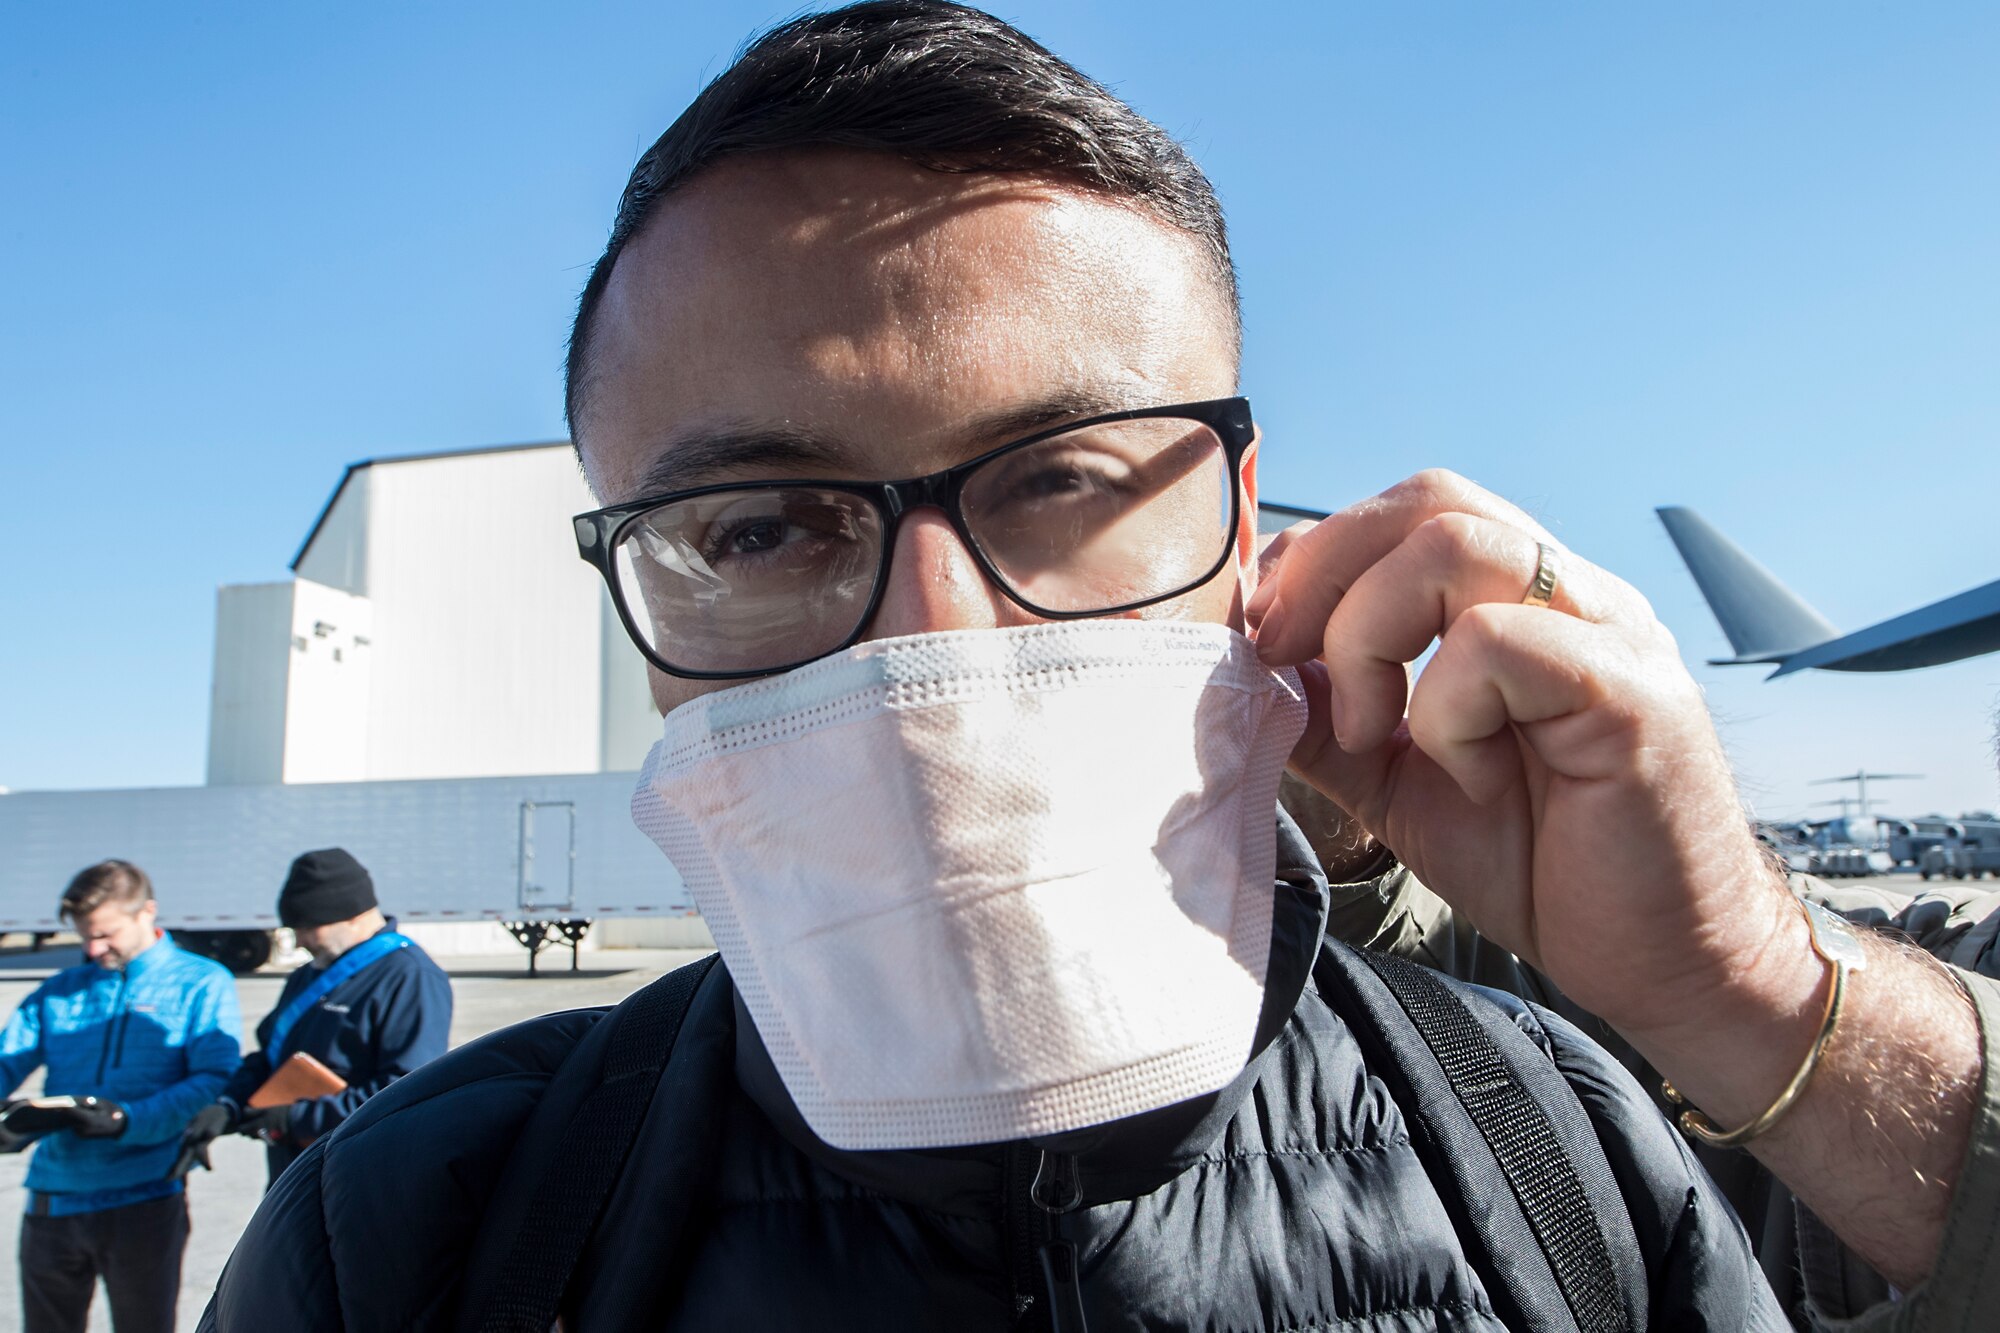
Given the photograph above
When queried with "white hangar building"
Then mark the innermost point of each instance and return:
(438, 624)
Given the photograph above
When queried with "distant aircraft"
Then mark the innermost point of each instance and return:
(1767, 622)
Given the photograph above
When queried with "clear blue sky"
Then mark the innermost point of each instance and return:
(1599, 258)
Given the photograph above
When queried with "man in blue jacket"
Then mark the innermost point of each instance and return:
(142, 1035)
(371, 1007)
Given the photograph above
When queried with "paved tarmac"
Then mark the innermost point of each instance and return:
(488, 993)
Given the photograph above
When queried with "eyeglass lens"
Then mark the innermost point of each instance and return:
(1088, 520)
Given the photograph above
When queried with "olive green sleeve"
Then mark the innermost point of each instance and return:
(1962, 1293)
(1953, 923)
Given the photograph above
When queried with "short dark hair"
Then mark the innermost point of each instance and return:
(112, 881)
(943, 85)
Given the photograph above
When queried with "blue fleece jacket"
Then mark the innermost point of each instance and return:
(160, 1037)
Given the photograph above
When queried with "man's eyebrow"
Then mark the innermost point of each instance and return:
(718, 455)
(725, 453)
(1012, 423)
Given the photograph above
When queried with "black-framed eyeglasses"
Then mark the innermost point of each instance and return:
(1088, 519)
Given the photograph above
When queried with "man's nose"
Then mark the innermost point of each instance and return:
(935, 584)
(95, 949)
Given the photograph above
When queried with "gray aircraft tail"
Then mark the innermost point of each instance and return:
(1765, 620)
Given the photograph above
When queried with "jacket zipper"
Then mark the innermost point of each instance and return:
(1056, 1190)
(117, 1013)
(1023, 1224)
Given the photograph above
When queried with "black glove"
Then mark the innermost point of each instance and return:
(269, 1123)
(12, 1140)
(86, 1117)
(209, 1123)
(96, 1118)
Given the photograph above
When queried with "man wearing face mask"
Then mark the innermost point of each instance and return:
(370, 1008)
(908, 380)
(134, 1041)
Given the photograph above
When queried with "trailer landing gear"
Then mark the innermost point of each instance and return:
(536, 936)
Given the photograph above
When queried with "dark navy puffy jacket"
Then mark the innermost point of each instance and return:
(1290, 1201)
(384, 1021)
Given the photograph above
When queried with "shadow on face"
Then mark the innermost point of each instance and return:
(851, 316)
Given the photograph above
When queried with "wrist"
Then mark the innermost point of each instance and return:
(1733, 1045)
(1835, 942)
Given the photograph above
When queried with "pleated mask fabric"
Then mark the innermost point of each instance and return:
(984, 885)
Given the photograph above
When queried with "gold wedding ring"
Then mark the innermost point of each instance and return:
(1543, 589)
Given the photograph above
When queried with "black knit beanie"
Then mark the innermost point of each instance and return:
(323, 887)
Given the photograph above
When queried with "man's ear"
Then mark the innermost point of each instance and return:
(1246, 521)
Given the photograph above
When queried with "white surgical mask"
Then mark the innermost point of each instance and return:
(985, 885)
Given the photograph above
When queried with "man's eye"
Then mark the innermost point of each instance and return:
(1051, 481)
(764, 534)
(1068, 482)
(749, 536)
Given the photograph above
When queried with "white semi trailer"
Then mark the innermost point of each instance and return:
(543, 856)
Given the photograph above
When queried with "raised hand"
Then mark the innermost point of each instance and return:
(1557, 778)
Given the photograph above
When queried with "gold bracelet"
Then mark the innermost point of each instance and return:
(1835, 941)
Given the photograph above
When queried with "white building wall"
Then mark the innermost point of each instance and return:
(640, 932)
(246, 706)
(338, 555)
(629, 723)
(487, 633)
(440, 625)
(326, 700)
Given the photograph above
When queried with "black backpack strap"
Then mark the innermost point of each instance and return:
(568, 1202)
(1506, 1141)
